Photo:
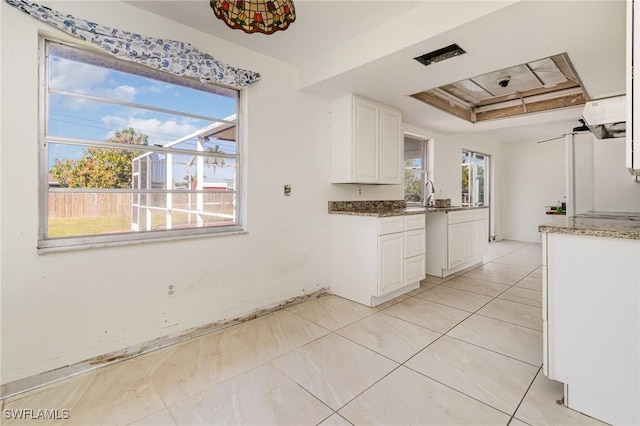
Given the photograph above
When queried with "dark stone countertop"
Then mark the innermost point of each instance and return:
(386, 208)
(597, 224)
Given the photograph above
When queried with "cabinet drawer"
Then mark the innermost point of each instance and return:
(414, 269)
(461, 216)
(414, 243)
(467, 215)
(481, 214)
(414, 221)
(390, 225)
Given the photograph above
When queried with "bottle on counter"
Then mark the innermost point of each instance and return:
(559, 207)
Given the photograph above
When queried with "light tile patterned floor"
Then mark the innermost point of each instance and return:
(466, 349)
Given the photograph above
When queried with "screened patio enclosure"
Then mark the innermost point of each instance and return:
(196, 188)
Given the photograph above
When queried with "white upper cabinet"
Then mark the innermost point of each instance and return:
(633, 88)
(391, 146)
(366, 142)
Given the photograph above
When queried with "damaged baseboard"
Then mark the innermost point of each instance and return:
(48, 377)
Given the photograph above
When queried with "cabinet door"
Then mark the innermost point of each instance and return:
(414, 243)
(366, 154)
(459, 247)
(479, 238)
(390, 263)
(391, 146)
(414, 269)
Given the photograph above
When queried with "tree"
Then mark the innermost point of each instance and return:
(412, 183)
(102, 167)
(214, 162)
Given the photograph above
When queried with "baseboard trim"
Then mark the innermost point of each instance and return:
(48, 377)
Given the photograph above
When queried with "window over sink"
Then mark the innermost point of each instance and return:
(415, 169)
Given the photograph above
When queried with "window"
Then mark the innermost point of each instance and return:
(415, 169)
(130, 153)
(475, 179)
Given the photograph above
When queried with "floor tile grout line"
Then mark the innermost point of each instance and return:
(261, 363)
(342, 406)
(284, 373)
(368, 387)
(329, 331)
(457, 390)
(507, 322)
(525, 394)
(367, 348)
(155, 389)
(491, 350)
(431, 329)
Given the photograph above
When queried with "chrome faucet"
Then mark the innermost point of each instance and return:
(428, 196)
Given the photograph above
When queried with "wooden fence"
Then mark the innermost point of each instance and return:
(67, 205)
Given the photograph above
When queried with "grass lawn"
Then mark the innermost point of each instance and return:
(95, 225)
(68, 227)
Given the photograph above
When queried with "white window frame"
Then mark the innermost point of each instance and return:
(46, 244)
(423, 172)
(473, 193)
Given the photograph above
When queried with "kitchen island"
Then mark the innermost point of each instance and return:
(591, 312)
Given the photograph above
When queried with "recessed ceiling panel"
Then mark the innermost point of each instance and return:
(547, 71)
(539, 85)
(507, 81)
(470, 88)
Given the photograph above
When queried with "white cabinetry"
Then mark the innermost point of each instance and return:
(591, 323)
(456, 240)
(459, 244)
(375, 259)
(366, 142)
(633, 87)
(390, 263)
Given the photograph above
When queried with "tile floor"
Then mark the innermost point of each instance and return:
(461, 350)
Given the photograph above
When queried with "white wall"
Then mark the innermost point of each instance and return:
(582, 168)
(614, 188)
(447, 174)
(61, 308)
(533, 177)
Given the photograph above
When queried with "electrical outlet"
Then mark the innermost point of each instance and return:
(171, 290)
(359, 191)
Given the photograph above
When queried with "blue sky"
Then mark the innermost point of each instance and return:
(85, 119)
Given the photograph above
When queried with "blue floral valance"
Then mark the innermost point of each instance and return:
(172, 56)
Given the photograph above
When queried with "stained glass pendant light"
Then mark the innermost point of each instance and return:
(255, 16)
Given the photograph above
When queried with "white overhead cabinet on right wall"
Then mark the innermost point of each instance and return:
(366, 142)
(633, 87)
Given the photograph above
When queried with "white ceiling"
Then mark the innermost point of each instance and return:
(366, 47)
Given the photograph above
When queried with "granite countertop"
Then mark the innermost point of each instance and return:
(452, 209)
(373, 208)
(597, 224)
(386, 208)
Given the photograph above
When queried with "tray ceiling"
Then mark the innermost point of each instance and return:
(536, 86)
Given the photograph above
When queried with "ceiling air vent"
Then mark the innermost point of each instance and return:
(450, 51)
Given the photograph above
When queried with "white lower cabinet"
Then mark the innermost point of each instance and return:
(459, 244)
(455, 240)
(591, 323)
(375, 259)
(390, 263)
(414, 269)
